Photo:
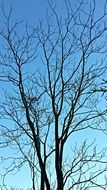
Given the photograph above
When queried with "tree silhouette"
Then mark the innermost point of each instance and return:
(53, 72)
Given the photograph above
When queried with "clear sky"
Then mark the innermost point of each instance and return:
(33, 11)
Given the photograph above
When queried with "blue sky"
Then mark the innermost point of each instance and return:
(33, 11)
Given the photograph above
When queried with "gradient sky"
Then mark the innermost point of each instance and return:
(33, 11)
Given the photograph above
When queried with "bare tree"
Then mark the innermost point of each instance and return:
(52, 71)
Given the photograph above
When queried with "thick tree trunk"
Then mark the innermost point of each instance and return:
(60, 180)
(58, 158)
(41, 164)
(42, 185)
